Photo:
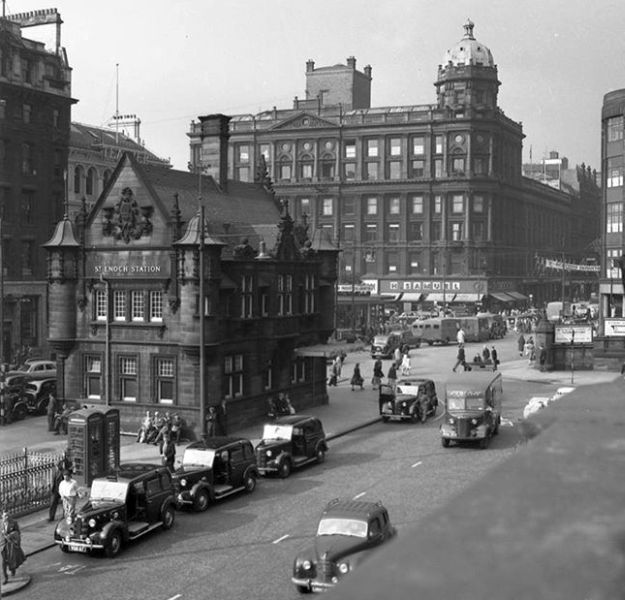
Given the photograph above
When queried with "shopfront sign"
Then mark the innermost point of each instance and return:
(129, 265)
(577, 334)
(426, 286)
(614, 327)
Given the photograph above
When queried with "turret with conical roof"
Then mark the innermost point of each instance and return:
(467, 80)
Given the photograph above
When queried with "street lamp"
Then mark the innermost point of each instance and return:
(107, 342)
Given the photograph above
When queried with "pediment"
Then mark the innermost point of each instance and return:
(303, 120)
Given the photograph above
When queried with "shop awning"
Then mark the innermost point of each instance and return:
(317, 350)
(517, 295)
(502, 297)
(437, 297)
(467, 297)
(410, 297)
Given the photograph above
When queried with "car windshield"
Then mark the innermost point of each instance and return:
(407, 388)
(352, 527)
(467, 400)
(193, 457)
(379, 341)
(103, 489)
(277, 432)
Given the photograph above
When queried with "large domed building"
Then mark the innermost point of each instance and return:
(427, 201)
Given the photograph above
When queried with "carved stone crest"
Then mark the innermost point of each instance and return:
(126, 220)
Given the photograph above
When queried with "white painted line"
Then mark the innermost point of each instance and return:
(280, 539)
(359, 495)
(175, 597)
(417, 464)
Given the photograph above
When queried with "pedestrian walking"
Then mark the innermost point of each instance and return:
(63, 465)
(222, 418)
(495, 356)
(68, 490)
(460, 359)
(334, 375)
(160, 437)
(542, 357)
(460, 335)
(405, 364)
(392, 376)
(10, 546)
(211, 421)
(357, 379)
(51, 411)
(485, 353)
(378, 374)
(176, 428)
(169, 453)
(397, 357)
(521, 344)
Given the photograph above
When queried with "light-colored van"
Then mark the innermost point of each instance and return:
(436, 330)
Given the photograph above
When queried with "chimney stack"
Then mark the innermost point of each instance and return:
(310, 65)
(214, 137)
(351, 63)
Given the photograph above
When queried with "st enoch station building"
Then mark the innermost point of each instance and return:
(125, 307)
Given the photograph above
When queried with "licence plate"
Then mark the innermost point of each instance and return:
(77, 548)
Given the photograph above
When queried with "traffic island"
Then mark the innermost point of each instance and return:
(15, 584)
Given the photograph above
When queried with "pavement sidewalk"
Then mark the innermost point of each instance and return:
(346, 412)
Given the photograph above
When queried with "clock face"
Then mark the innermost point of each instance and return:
(286, 147)
(459, 139)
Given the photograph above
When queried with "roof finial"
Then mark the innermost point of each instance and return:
(468, 29)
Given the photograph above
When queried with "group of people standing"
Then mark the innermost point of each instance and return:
(162, 431)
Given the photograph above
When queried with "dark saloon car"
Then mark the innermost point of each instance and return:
(414, 399)
(36, 394)
(347, 532)
(290, 442)
(214, 469)
(121, 508)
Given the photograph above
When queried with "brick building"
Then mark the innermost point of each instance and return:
(420, 198)
(125, 295)
(35, 114)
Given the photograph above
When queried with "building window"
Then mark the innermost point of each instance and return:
(90, 182)
(612, 269)
(478, 231)
(156, 306)
(247, 297)
(93, 376)
(128, 380)
(304, 206)
(264, 302)
(438, 144)
(457, 166)
(615, 172)
(438, 168)
(165, 380)
(456, 232)
(78, 179)
(372, 206)
(27, 111)
(437, 231)
(233, 371)
(285, 295)
(457, 203)
(615, 128)
(417, 168)
(298, 370)
(349, 171)
(393, 233)
(416, 231)
(372, 170)
(268, 376)
(371, 232)
(28, 165)
(327, 207)
(327, 169)
(265, 152)
(101, 312)
(417, 205)
(392, 262)
(348, 206)
(418, 145)
(438, 204)
(242, 174)
(306, 171)
(119, 305)
(284, 170)
(478, 204)
(480, 166)
(27, 258)
(328, 231)
(395, 147)
(394, 169)
(310, 284)
(372, 148)
(350, 149)
(137, 306)
(348, 233)
(27, 205)
(393, 206)
(242, 153)
(614, 219)
(55, 118)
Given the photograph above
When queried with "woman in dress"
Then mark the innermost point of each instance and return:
(10, 546)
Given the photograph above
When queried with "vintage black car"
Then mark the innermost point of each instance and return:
(121, 508)
(347, 533)
(36, 394)
(290, 442)
(213, 469)
(413, 399)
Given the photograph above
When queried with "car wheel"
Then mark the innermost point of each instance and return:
(386, 419)
(415, 417)
(445, 442)
(430, 342)
(168, 517)
(321, 455)
(250, 484)
(64, 548)
(303, 589)
(201, 501)
(114, 544)
(20, 412)
(285, 469)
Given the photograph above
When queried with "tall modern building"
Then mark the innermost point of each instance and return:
(35, 116)
(427, 202)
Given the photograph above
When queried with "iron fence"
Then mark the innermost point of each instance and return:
(25, 480)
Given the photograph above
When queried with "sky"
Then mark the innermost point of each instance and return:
(180, 59)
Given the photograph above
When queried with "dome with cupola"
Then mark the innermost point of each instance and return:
(468, 51)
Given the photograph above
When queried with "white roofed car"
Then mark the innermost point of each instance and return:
(37, 369)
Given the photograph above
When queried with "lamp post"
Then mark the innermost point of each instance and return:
(202, 324)
(107, 342)
(2, 358)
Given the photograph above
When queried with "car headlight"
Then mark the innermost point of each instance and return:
(451, 421)
(306, 565)
(92, 523)
(68, 520)
(343, 567)
(183, 482)
(269, 453)
(403, 405)
(473, 421)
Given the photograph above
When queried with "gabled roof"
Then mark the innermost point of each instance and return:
(303, 119)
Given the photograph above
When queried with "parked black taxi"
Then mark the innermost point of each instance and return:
(414, 399)
(213, 469)
(290, 442)
(347, 532)
(120, 508)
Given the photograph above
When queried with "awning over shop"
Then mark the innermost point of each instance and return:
(517, 295)
(502, 297)
(317, 350)
(437, 297)
(467, 297)
(410, 297)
